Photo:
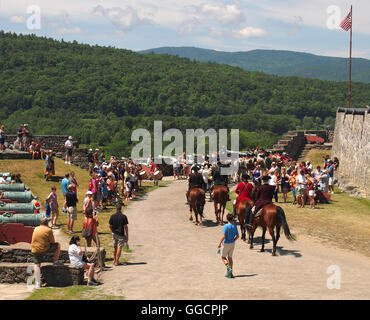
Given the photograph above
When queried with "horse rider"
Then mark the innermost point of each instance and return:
(219, 179)
(195, 181)
(264, 196)
(244, 191)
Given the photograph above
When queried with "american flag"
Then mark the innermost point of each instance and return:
(346, 24)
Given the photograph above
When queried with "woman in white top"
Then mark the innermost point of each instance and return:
(75, 257)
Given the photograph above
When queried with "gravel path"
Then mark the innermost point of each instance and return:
(174, 259)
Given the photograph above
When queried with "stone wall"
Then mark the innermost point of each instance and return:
(352, 147)
(53, 276)
(18, 254)
(56, 143)
(294, 141)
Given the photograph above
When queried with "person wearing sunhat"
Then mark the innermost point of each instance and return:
(264, 196)
(4, 179)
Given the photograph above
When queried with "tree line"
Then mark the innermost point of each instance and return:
(100, 94)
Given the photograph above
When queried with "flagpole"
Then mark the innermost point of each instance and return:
(350, 62)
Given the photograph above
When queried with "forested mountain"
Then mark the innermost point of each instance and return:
(99, 94)
(277, 62)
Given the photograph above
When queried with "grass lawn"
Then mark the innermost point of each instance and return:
(71, 293)
(32, 176)
(345, 222)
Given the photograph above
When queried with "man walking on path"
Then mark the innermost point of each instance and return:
(230, 235)
(118, 225)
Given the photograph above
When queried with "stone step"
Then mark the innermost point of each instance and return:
(21, 253)
(15, 155)
(55, 276)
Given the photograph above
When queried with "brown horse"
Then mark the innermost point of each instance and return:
(271, 216)
(197, 200)
(220, 194)
(242, 211)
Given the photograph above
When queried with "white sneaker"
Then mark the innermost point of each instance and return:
(37, 285)
(65, 162)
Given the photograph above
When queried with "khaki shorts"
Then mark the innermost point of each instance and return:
(301, 192)
(228, 250)
(72, 213)
(38, 258)
(118, 240)
(331, 181)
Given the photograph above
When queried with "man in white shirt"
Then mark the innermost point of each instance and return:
(301, 186)
(69, 147)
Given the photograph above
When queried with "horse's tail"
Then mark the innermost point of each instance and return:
(247, 209)
(282, 218)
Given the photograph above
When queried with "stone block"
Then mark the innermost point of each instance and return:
(56, 276)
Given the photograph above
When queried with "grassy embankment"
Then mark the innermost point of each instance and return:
(345, 222)
(32, 176)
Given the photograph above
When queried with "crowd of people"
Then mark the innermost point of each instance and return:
(285, 174)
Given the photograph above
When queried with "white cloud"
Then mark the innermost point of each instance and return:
(249, 32)
(189, 26)
(123, 19)
(314, 12)
(17, 19)
(225, 14)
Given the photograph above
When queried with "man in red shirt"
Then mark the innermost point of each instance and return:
(244, 192)
(263, 197)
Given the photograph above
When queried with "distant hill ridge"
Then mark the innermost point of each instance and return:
(278, 62)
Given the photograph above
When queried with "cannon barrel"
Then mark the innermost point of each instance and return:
(17, 207)
(18, 187)
(32, 220)
(21, 197)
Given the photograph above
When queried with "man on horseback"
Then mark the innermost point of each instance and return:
(195, 181)
(264, 196)
(219, 179)
(244, 192)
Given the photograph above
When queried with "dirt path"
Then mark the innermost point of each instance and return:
(174, 259)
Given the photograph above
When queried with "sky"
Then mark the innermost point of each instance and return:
(225, 25)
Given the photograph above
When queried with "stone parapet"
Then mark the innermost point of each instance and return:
(351, 145)
(55, 276)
